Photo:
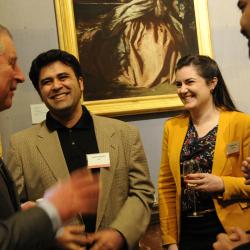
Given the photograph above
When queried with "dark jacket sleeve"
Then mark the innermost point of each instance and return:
(26, 230)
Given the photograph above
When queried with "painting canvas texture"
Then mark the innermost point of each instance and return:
(129, 48)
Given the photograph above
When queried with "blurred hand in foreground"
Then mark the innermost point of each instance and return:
(77, 194)
(245, 168)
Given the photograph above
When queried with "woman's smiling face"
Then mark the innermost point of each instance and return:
(194, 91)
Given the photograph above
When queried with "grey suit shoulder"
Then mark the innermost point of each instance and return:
(21, 230)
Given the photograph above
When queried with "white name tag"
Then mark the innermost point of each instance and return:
(233, 147)
(100, 160)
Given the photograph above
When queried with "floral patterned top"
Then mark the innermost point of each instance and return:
(199, 153)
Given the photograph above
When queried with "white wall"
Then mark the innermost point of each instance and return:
(33, 25)
(231, 50)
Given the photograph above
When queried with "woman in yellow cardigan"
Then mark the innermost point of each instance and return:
(213, 138)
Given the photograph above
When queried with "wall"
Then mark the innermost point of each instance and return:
(33, 25)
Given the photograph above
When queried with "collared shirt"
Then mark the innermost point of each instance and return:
(52, 213)
(76, 142)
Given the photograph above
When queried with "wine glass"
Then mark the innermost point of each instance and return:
(189, 167)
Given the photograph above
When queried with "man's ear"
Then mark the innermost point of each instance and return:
(39, 91)
(81, 83)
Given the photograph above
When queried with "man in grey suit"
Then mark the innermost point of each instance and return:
(72, 137)
(37, 225)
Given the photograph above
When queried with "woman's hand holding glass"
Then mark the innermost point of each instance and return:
(246, 170)
(205, 182)
(171, 247)
(188, 168)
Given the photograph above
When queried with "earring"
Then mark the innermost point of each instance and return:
(211, 91)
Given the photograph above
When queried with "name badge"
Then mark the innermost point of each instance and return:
(100, 160)
(233, 147)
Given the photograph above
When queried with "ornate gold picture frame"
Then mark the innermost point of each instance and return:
(71, 37)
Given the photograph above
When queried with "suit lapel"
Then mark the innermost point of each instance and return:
(222, 138)
(106, 140)
(8, 183)
(178, 137)
(48, 145)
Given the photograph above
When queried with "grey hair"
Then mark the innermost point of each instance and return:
(3, 30)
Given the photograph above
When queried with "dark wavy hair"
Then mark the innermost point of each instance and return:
(207, 68)
(49, 57)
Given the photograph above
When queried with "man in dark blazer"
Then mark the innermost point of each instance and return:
(35, 226)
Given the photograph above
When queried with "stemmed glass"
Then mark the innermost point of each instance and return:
(189, 168)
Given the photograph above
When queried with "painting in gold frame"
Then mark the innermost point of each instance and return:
(124, 73)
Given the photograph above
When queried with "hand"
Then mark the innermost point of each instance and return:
(172, 247)
(234, 238)
(107, 239)
(27, 205)
(205, 182)
(73, 237)
(245, 168)
(78, 194)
